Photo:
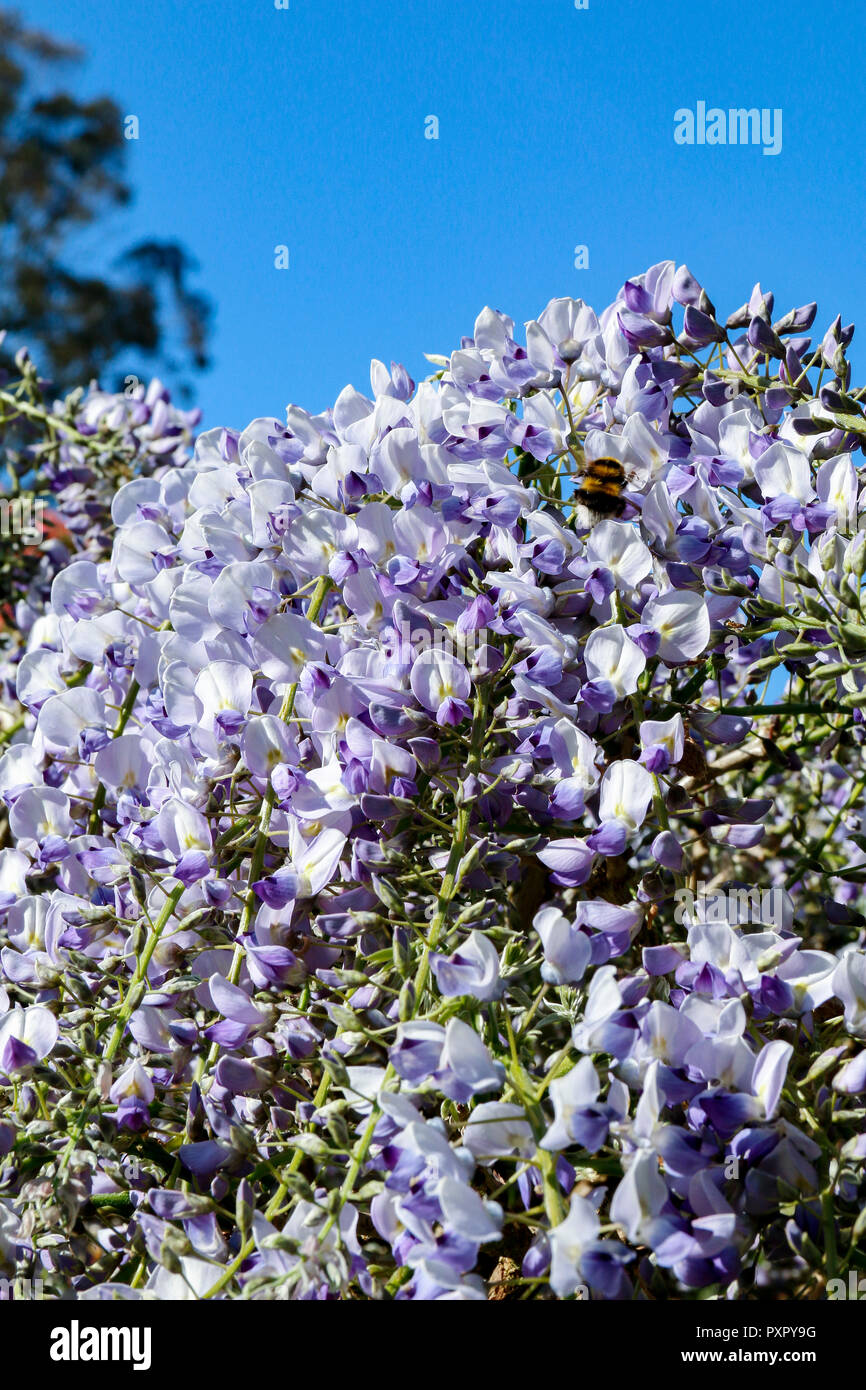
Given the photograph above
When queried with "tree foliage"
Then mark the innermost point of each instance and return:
(62, 169)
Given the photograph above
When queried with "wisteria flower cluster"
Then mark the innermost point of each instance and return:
(433, 830)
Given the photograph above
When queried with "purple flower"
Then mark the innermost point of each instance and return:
(473, 969)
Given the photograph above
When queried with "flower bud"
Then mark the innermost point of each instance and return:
(854, 559)
(244, 1208)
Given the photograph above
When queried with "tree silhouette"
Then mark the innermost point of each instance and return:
(62, 169)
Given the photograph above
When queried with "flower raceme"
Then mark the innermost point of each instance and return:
(359, 784)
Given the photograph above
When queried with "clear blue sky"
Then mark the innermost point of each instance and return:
(305, 127)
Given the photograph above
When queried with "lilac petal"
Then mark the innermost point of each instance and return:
(16, 1056)
(233, 1002)
(279, 889)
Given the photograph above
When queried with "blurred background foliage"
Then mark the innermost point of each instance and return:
(62, 169)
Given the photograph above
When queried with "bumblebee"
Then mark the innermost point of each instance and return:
(601, 486)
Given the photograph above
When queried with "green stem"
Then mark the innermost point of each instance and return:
(828, 1215)
(33, 412)
(122, 721)
(450, 882)
(257, 858)
(130, 1003)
